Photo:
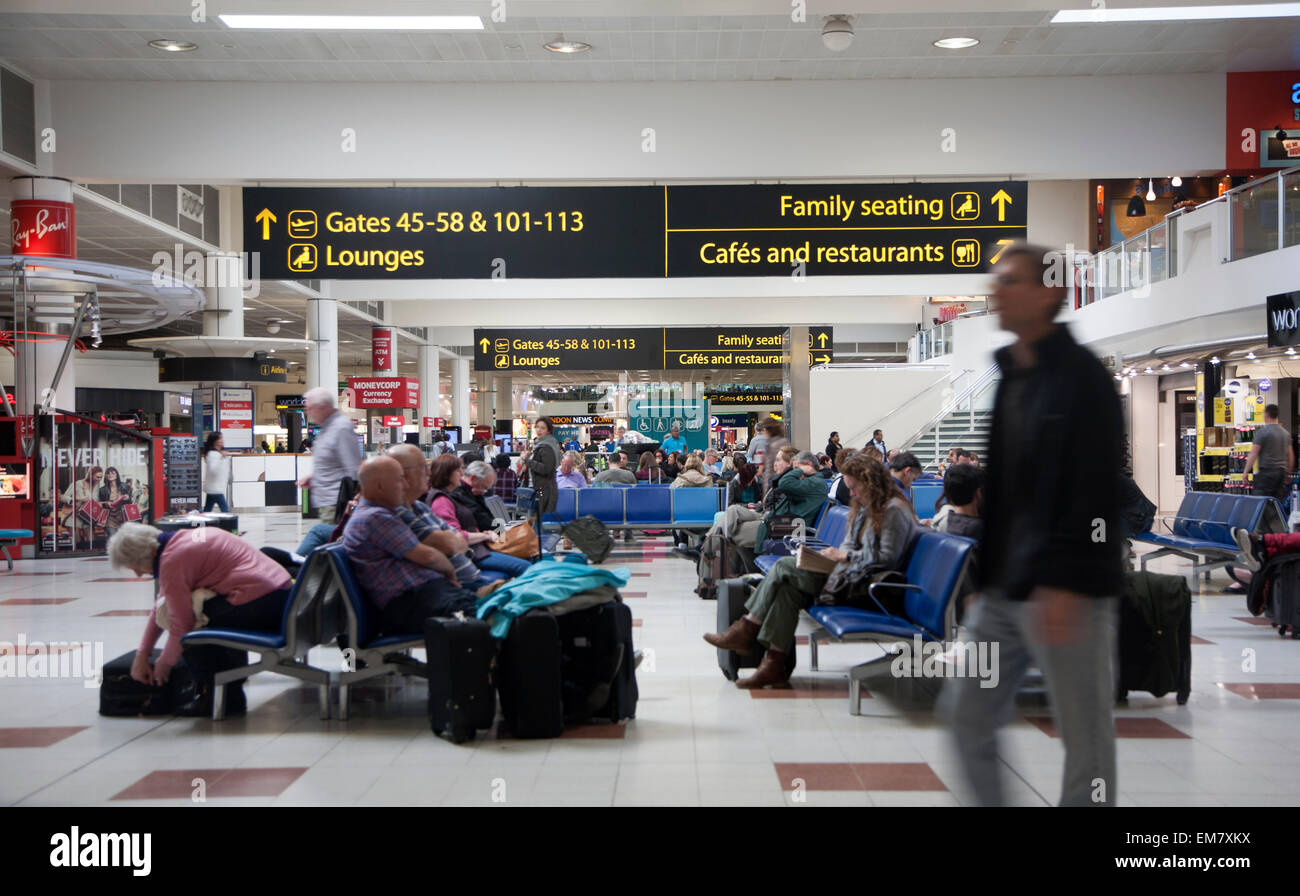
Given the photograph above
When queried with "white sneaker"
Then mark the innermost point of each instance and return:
(1247, 545)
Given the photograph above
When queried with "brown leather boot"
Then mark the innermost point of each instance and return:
(772, 672)
(740, 637)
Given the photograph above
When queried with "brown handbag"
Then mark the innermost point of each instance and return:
(518, 541)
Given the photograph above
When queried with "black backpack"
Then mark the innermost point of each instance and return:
(1137, 513)
(590, 536)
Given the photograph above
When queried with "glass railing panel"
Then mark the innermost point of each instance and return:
(1254, 215)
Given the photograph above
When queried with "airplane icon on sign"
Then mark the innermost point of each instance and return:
(302, 224)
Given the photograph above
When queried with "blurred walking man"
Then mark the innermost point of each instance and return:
(1049, 560)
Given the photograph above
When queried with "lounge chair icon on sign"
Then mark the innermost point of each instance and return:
(965, 206)
(302, 258)
(965, 253)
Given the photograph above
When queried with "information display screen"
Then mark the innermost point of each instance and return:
(749, 230)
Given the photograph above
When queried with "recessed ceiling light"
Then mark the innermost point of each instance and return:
(568, 46)
(1174, 13)
(354, 23)
(955, 43)
(173, 46)
(513, 46)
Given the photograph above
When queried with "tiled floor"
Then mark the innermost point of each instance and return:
(697, 739)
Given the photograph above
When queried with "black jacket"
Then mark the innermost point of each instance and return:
(464, 496)
(1068, 477)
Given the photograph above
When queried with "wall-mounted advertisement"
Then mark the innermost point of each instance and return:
(92, 479)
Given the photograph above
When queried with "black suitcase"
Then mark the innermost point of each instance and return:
(732, 594)
(180, 522)
(462, 654)
(1155, 636)
(624, 693)
(122, 695)
(597, 664)
(1283, 583)
(528, 677)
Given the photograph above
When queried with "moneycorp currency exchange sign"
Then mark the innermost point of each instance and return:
(760, 230)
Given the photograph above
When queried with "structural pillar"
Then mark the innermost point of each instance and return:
(505, 408)
(36, 360)
(460, 397)
(427, 364)
(224, 314)
(798, 393)
(323, 353)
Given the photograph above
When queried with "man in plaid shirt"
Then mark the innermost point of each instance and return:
(427, 526)
(406, 580)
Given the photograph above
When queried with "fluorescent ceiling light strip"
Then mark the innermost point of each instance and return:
(354, 23)
(1175, 13)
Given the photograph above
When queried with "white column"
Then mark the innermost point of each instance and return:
(427, 364)
(37, 358)
(504, 405)
(323, 353)
(224, 314)
(460, 397)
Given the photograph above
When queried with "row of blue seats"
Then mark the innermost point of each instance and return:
(326, 601)
(1202, 529)
(633, 508)
(935, 565)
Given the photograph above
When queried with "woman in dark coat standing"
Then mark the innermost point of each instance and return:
(542, 460)
(832, 449)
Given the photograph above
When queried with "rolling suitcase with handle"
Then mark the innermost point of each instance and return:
(1283, 598)
(462, 655)
(528, 677)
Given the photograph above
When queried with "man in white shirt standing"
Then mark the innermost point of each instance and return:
(336, 453)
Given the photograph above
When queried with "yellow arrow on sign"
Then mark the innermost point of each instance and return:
(266, 219)
(821, 338)
(1001, 198)
(483, 344)
(998, 254)
(824, 359)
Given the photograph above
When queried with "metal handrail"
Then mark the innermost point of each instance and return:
(969, 394)
(867, 432)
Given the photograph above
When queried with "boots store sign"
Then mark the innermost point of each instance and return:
(1284, 319)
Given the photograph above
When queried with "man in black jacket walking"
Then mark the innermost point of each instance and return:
(1050, 558)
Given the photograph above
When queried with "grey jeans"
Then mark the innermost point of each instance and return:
(1081, 685)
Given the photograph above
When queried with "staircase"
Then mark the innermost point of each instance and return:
(954, 431)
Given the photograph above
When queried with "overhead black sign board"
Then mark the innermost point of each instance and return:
(1284, 319)
(670, 348)
(222, 370)
(760, 230)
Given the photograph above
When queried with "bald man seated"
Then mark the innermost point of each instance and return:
(429, 528)
(405, 579)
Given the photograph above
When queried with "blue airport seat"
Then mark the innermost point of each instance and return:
(693, 508)
(649, 506)
(566, 507)
(304, 625)
(374, 655)
(935, 567)
(924, 494)
(605, 504)
(10, 538)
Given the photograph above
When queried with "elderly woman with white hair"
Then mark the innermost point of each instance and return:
(250, 593)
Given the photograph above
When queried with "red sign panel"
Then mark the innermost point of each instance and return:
(483, 433)
(384, 392)
(43, 227)
(382, 357)
(394, 421)
(1263, 103)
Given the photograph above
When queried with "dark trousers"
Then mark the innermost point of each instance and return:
(1272, 484)
(264, 614)
(405, 614)
(213, 499)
